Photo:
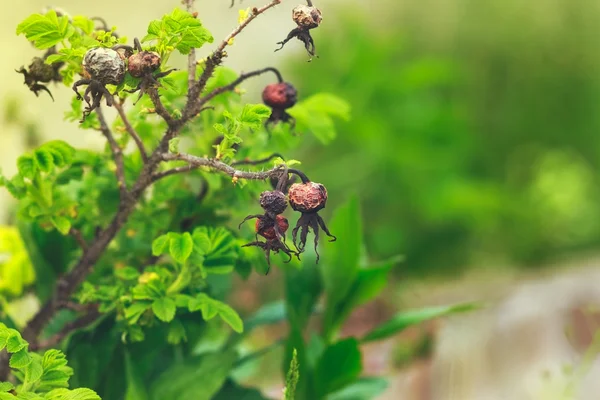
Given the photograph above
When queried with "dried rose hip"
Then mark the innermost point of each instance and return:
(308, 198)
(306, 18)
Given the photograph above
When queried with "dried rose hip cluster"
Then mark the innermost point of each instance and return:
(308, 198)
(107, 66)
(306, 17)
(272, 225)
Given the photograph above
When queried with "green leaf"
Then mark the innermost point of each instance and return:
(201, 240)
(179, 30)
(362, 389)
(127, 273)
(27, 167)
(6, 386)
(76, 394)
(136, 390)
(369, 283)
(198, 378)
(315, 115)
(406, 319)
(14, 341)
(164, 309)
(340, 268)
(135, 311)
(43, 160)
(46, 30)
(231, 317)
(20, 359)
(292, 378)
(62, 152)
(62, 224)
(223, 251)
(254, 115)
(34, 370)
(338, 366)
(160, 245)
(176, 332)
(174, 145)
(181, 246)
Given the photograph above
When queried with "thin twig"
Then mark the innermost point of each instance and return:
(117, 154)
(257, 162)
(69, 327)
(134, 135)
(159, 106)
(214, 164)
(193, 107)
(189, 6)
(239, 80)
(76, 233)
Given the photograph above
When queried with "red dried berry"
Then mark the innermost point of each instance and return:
(273, 202)
(308, 197)
(143, 63)
(280, 95)
(268, 232)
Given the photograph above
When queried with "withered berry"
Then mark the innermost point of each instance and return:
(280, 96)
(308, 198)
(273, 202)
(143, 64)
(104, 67)
(306, 18)
(267, 230)
(39, 71)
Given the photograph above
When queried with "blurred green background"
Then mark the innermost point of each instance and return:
(474, 138)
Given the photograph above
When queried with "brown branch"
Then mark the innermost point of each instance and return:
(193, 107)
(92, 315)
(189, 6)
(159, 106)
(197, 162)
(257, 162)
(129, 128)
(117, 153)
(78, 238)
(236, 82)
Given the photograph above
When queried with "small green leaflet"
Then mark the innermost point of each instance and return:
(179, 30)
(45, 31)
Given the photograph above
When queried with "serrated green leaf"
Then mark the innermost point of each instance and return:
(14, 341)
(164, 309)
(181, 246)
(6, 386)
(75, 394)
(34, 370)
(45, 31)
(43, 160)
(405, 319)
(62, 152)
(20, 359)
(62, 224)
(7, 396)
(160, 245)
(201, 241)
(254, 115)
(27, 167)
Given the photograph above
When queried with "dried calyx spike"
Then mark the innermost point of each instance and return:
(272, 225)
(143, 64)
(101, 66)
(280, 96)
(308, 198)
(306, 17)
